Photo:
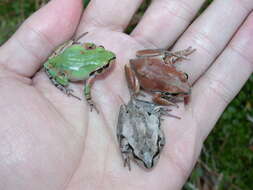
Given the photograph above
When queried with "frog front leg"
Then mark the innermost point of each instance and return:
(132, 80)
(126, 153)
(66, 45)
(87, 92)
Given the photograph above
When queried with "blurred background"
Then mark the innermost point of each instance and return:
(226, 161)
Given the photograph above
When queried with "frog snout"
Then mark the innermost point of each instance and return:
(148, 160)
(149, 164)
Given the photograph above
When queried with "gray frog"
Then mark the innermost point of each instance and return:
(139, 132)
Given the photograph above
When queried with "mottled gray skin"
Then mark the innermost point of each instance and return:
(139, 134)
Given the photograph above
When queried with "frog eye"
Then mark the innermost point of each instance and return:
(100, 70)
(106, 66)
(89, 46)
(92, 46)
(174, 94)
(92, 73)
(101, 46)
(103, 68)
(186, 76)
(167, 93)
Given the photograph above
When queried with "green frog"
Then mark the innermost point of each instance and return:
(75, 61)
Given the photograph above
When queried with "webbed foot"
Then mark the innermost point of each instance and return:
(174, 57)
(92, 105)
(126, 160)
(69, 92)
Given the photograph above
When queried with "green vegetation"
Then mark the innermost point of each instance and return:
(226, 161)
(13, 13)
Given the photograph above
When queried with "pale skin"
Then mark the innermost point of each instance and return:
(51, 141)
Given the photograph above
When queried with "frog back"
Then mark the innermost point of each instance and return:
(141, 128)
(80, 62)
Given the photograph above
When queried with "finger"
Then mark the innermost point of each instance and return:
(39, 34)
(210, 33)
(111, 14)
(164, 21)
(224, 79)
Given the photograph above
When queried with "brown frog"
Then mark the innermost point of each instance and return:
(139, 132)
(154, 71)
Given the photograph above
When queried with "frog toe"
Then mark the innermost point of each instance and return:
(92, 105)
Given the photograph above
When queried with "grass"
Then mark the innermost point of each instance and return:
(226, 161)
(13, 13)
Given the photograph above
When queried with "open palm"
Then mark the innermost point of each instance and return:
(53, 142)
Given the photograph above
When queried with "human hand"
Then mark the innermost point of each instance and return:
(51, 141)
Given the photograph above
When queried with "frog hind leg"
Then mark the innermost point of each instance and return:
(158, 99)
(174, 57)
(87, 93)
(76, 40)
(132, 81)
(146, 53)
(61, 87)
(164, 112)
(170, 57)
